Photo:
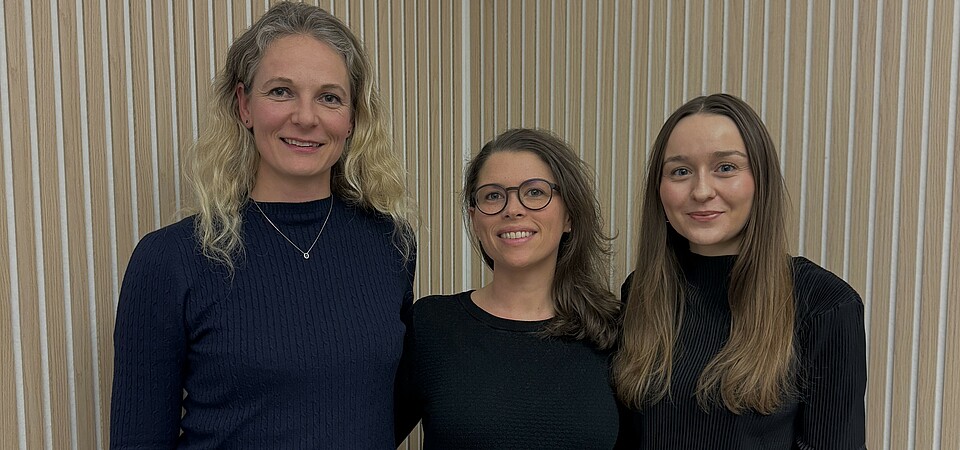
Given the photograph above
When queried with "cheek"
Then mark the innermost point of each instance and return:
(669, 198)
(747, 191)
(266, 115)
(476, 221)
(338, 124)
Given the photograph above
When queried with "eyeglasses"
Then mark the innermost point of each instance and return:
(534, 194)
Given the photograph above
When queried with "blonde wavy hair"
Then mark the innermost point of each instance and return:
(224, 159)
(755, 368)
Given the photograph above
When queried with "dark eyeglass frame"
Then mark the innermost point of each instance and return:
(506, 195)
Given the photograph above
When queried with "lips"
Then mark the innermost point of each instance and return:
(299, 143)
(515, 234)
(704, 216)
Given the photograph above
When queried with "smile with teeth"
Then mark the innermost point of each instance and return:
(300, 143)
(515, 234)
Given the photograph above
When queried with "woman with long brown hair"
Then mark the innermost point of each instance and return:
(728, 341)
(521, 362)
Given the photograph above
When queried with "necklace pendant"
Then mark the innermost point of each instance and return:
(306, 255)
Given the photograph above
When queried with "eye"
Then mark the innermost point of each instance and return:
(331, 99)
(534, 192)
(492, 196)
(680, 172)
(279, 92)
(726, 168)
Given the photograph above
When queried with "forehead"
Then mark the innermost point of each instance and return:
(512, 167)
(704, 133)
(302, 58)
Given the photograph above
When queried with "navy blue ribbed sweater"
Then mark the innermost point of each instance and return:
(831, 350)
(290, 353)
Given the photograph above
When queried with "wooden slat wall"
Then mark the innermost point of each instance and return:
(101, 99)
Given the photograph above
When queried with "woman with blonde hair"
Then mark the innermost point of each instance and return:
(728, 342)
(272, 317)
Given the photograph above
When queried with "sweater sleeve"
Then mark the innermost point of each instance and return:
(832, 412)
(407, 405)
(149, 348)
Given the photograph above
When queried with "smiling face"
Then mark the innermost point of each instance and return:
(707, 186)
(517, 238)
(299, 109)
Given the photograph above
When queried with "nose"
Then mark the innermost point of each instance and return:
(305, 114)
(513, 206)
(703, 189)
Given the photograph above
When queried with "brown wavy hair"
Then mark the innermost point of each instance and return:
(586, 309)
(755, 368)
(224, 159)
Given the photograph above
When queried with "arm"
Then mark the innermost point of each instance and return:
(149, 350)
(831, 412)
(406, 409)
(629, 434)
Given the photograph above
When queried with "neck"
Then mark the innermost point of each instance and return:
(518, 296)
(289, 192)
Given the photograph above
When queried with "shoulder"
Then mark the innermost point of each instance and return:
(439, 305)
(176, 240)
(819, 291)
(366, 219)
(625, 288)
(161, 267)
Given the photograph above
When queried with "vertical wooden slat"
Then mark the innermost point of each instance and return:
(619, 159)
(55, 405)
(589, 91)
(23, 194)
(573, 94)
(184, 85)
(79, 383)
(11, 385)
(164, 109)
(561, 62)
(523, 63)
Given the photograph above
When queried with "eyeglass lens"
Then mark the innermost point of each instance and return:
(534, 194)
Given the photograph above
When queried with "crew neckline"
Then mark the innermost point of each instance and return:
(466, 301)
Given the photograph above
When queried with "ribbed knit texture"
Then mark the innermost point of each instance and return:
(291, 353)
(484, 382)
(832, 375)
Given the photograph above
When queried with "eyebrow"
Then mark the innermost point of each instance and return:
(285, 80)
(716, 154)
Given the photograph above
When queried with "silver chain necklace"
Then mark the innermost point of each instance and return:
(306, 254)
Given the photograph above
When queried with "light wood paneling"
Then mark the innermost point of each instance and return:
(103, 98)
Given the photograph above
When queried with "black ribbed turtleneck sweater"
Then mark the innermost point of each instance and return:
(830, 344)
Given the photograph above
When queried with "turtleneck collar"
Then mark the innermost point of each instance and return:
(708, 275)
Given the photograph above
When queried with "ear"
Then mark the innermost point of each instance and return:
(567, 224)
(243, 106)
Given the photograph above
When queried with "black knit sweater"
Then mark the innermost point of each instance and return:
(829, 339)
(484, 382)
(290, 353)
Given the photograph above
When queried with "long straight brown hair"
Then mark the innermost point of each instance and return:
(754, 370)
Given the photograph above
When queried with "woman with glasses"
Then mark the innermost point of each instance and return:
(521, 362)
